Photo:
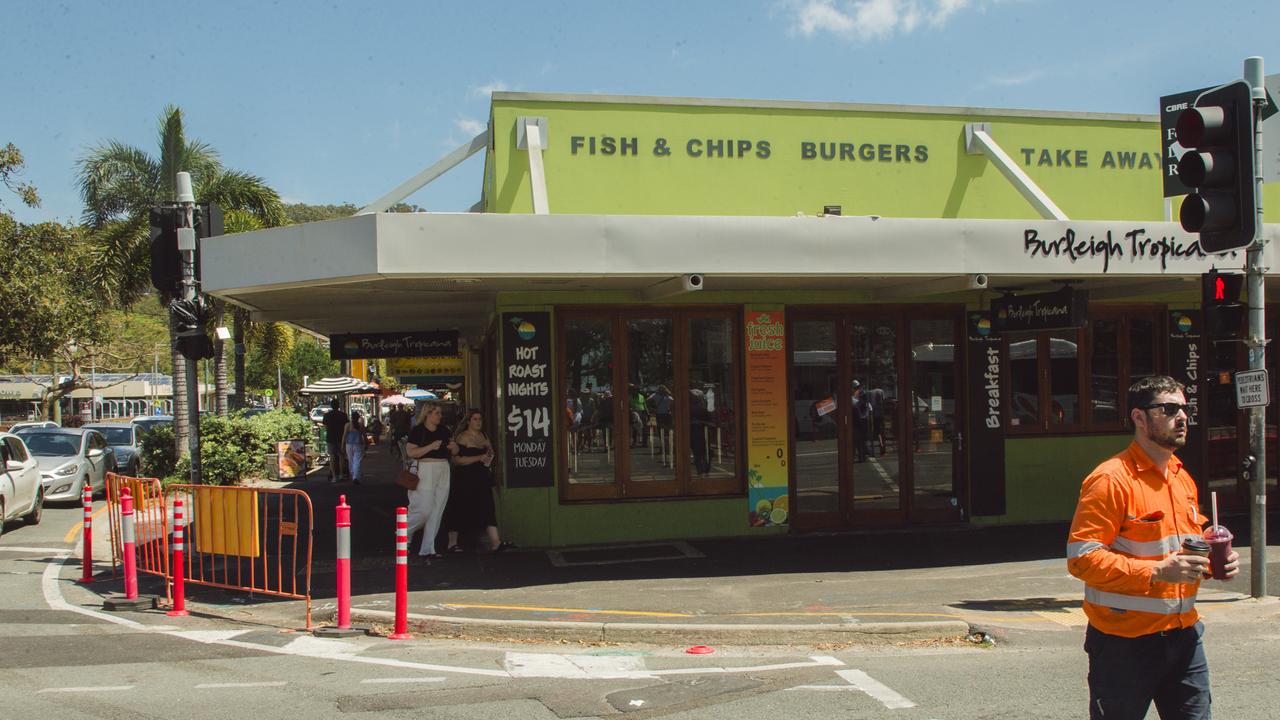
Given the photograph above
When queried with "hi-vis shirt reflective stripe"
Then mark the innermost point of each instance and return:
(1159, 606)
(1157, 548)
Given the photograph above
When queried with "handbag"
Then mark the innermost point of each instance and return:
(407, 479)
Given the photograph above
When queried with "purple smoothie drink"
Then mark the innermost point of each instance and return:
(1219, 539)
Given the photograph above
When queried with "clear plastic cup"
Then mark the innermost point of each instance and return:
(1219, 539)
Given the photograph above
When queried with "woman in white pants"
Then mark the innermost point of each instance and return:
(431, 446)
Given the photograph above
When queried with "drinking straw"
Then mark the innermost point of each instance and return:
(1213, 499)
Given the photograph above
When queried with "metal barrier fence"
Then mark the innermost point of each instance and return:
(251, 539)
(151, 526)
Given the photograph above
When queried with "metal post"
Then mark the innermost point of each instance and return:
(187, 201)
(1257, 343)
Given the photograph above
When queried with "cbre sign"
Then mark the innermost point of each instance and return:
(1172, 105)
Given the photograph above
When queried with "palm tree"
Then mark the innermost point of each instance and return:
(120, 184)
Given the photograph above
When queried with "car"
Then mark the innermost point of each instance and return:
(19, 427)
(145, 423)
(251, 412)
(21, 492)
(70, 460)
(318, 413)
(125, 442)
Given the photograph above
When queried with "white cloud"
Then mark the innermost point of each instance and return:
(1021, 78)
(485, 91)
(872, 19)
(470, 127)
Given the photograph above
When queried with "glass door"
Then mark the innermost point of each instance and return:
(817, 412)
(875, 425)
(932, 369)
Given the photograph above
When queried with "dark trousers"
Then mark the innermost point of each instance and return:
(1127, 674)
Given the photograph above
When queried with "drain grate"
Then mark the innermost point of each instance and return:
(619, 554)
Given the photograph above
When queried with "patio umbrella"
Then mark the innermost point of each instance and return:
(395, 400)
(336, 386)
(420, 394)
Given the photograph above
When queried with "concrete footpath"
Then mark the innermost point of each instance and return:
(910, 586)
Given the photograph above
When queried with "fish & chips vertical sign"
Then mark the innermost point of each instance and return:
(526, 392)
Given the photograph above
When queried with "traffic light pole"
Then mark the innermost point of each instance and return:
(187, 246)
(1257, 344)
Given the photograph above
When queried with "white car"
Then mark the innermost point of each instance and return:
(19, 428)
(21, 493)
(70, 460)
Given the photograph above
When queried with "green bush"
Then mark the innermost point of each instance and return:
(231, 449)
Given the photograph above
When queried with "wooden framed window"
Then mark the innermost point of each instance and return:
(651, 399)
(1076, 380)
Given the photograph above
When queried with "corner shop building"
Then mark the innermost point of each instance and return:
(628, 406)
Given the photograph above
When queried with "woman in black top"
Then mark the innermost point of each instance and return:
(429, 447)
(471, 507)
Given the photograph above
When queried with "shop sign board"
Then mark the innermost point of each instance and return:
(393, 345)
(767, 435)
(985, 351)
(1187, 366)
(424, 366)
(527, 401)
(1251, 389)
(1065, 308)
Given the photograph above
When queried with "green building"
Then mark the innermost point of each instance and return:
(690, 318)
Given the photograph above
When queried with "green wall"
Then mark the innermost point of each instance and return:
(1119, 178)
(1043, 475)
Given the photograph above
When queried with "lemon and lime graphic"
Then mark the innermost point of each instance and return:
(772, 512)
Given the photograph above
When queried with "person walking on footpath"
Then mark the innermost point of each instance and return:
(430, 444)
(471, 507)
(1135, 510)
(353, 442)
(335, 423)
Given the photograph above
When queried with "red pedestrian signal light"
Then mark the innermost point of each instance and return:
(1218, 163)
(1224, 314)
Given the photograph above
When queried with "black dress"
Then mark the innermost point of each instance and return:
(470, 506)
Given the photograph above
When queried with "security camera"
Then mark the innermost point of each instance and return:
(691, 282)
(978, 281)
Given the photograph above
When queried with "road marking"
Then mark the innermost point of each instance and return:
(219, 686)
(578, 667)
(49, 585)
(876, 689)
(370, 681)
(18, 548)
(75, 529)
(99, 688)
(814, 661)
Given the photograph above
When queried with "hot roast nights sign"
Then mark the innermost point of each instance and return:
(1134, 246)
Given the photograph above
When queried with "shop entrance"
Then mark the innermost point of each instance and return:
(874, 402)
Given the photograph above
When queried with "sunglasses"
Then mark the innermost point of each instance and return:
(1170, 408)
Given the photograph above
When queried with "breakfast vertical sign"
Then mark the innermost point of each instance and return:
(767, 454)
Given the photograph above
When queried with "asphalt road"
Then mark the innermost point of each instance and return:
(61, 657)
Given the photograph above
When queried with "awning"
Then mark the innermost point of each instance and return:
(336, 386)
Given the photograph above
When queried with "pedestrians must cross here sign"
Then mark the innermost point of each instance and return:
(1251, 389)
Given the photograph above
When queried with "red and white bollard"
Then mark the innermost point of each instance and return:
(179, 563)
(86, 573)
(402, 576)
(130, 545)
(344, 563)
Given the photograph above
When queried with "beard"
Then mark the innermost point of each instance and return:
(1171, 439)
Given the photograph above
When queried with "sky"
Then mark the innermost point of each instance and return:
(333, 102)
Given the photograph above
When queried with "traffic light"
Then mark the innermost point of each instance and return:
(1218, 163)
(166, 261)
(1220, 298)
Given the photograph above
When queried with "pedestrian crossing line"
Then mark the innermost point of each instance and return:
(1071, 617)
(859, 681)
(222, 686)
(388, 681)
(86, 689)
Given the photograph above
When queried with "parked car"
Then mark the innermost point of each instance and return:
(70, 459)
(19, 428)
(144, 423)
(21, 493)
(125, 442)
(318, 412)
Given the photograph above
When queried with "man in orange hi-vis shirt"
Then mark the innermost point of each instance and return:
(1135, 511)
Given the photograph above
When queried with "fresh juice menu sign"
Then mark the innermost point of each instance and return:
(526, 391)
(766, 365)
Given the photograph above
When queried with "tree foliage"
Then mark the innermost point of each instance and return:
(11, 164)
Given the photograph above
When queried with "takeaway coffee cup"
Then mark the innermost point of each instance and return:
(1195, 546)
(1219, 539)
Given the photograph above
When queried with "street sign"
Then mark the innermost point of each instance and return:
(1251, 389)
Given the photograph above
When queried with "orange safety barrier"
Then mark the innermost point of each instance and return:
(151, 526)
(256, 540)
